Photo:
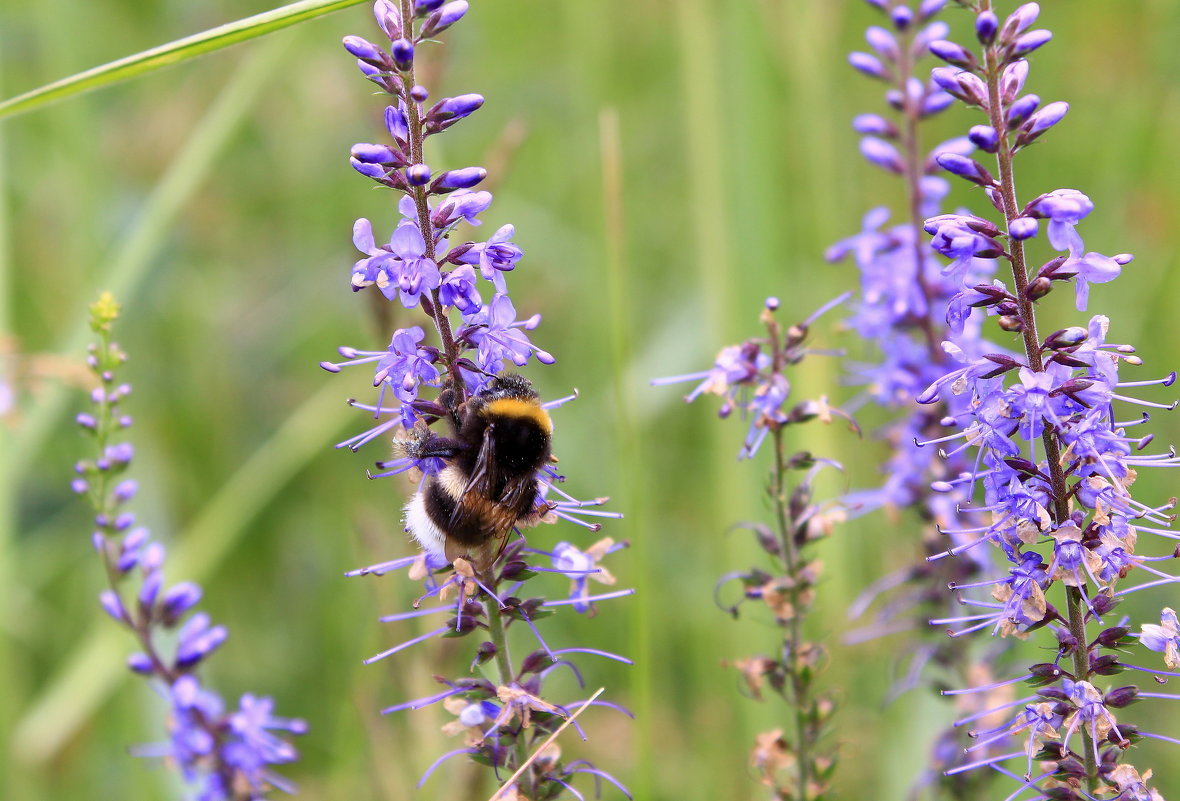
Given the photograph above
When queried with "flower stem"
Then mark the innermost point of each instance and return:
(791, 557)
(1032, 349)
(498, 635)
(417, 138)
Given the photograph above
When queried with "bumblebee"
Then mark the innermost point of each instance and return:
(488, 485)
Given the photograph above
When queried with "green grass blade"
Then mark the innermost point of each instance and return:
(136, 254)
(172, 53)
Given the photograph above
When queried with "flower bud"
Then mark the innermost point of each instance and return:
(484, 654)
(1031, 41)
(881, 153)
(953, 53)
(883, 42)
(150, 589)
(366, 51)
(1023, 228)
(986, 25)
(464, 178)
(536, 662)
(1103, 603)
(1122, 696)
(1019, 111)
(869, 65)
(1012, 80)
(984, 137)
(929, 8)
(1105, 665)
(875, 125)
(418, 174)
(444, 18)
(178, 600)
(1019, 21)
(141, 664)
(403, 54)
(1010, 323)
(967, 168)
(1042, 121)
(112, 604)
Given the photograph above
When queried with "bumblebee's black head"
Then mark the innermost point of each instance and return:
(508, 385)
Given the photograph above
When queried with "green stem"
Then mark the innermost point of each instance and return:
(791, 561)
(1032, 349)
(799, 686)
(499, 638)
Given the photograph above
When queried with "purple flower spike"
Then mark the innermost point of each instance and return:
(198, 747)
(426, 394)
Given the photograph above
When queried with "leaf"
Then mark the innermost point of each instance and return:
(172, 53)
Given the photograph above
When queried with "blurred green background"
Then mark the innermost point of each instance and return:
(667, 165)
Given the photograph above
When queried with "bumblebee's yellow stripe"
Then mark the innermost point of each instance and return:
(514, 407)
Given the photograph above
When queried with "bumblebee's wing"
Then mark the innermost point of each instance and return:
(520, 495)
(478, 506)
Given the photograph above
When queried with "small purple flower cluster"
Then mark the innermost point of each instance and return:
(461, 286)
(751, 378)
(753, 382)
(1054, 462)
(224, 755)
(901, 310)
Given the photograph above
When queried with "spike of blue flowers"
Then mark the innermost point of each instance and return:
(223, 755)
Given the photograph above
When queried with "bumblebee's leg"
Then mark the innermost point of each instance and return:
(422, 443)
